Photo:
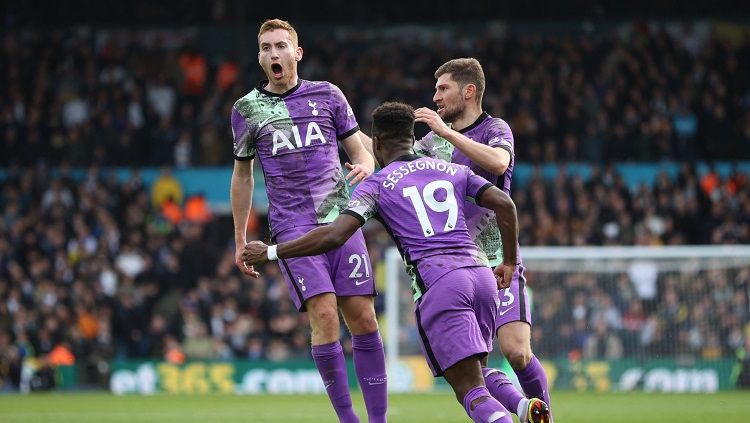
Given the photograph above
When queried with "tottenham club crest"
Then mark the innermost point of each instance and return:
(313, 105)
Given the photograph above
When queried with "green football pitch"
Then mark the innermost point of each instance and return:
(569, 407)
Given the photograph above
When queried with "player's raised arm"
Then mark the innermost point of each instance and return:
(241, 198)
(366, 141)
(318, 241)
(362, 163)
(492, 159)
(507, 220)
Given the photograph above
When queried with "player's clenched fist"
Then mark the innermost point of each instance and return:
(504, 275)
(255, 252)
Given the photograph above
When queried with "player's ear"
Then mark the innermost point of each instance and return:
(298, 54)
(470, 91)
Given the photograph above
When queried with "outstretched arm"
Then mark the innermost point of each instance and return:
(367, 142)
(362, 163)
(241, 198)
(318, 241)
(507, 220)
(492, 159)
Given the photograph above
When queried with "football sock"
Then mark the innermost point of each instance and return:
(329, 359)
(369, 364)
(533, 380)
(502, 389)
(487, 411)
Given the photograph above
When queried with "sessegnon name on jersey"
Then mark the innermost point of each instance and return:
(281, 138)
(413, 166)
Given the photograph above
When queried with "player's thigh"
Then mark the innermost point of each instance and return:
(514, 301)
(464, 376)
(514, 339)
(359, 314)
(447, 322)
(322, 308)
(485, 301)
(351, 271)
(306, 277)
(323, 312)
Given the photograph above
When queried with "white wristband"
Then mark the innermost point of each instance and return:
(272, 253)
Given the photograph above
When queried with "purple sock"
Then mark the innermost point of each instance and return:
(533, 380)
(502, 389)
(487, 411)
(369, 363)
(329, 358)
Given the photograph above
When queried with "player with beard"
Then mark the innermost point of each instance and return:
(485, 144)
(294, 128)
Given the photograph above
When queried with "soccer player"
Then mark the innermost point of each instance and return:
(485, 144)
(294, 127)
(420, 200)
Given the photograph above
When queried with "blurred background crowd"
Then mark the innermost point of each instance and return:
(113, 98)
(93, 268)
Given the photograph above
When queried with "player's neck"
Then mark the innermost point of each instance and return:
(467, 118)
(392, 155)
(281, 87)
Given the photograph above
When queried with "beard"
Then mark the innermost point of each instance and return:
(451, 114)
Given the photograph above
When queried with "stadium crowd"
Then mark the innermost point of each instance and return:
(93, 269)
(643, 93)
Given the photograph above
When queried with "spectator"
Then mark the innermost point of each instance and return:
(165, 187)
(603, 344)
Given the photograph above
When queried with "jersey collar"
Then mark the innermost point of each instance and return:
(476, 123)
(263, 83)
(407, 157)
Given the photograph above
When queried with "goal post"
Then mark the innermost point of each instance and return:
(624, 304)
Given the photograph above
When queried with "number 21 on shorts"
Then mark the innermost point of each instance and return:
(359, 260)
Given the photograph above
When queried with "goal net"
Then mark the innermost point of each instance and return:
(682, 304)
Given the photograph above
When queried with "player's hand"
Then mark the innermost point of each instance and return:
(357, 172)
(433, 120)
(504, 275)
(255, 252)
(244, 268)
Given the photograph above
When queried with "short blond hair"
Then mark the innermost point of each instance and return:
(271, 24)
(465, 71)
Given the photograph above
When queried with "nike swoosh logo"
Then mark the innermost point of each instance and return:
(497, 415)
(260, 125)
(358, 283)
(502, 313)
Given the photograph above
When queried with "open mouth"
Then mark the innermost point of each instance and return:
(440, 108)
(276, 69)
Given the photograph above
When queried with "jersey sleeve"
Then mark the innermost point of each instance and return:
(244, 141)
(476, 185)
(500, 136)
(344, 119)
(364, 202)
(424, 146)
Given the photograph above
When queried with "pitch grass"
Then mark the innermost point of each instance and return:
(570, 407)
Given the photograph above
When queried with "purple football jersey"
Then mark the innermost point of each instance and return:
(486, 130)
(493, 132)
(294, 135)
(421, 202)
